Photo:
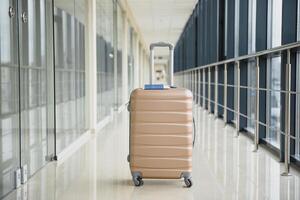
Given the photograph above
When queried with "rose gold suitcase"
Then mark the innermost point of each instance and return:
(161, 133)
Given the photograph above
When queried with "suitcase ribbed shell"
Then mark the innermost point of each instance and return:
(161, 132)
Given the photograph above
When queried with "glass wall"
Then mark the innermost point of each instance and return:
(131, 62)
(274, 72)
(43, 79)
(105, 59)
(34, 78)
(69, 35)
(247, 27)
(251, 99)
(120, 29)
(26, 134)
(9, 92)
(297, 121)
(236, 51)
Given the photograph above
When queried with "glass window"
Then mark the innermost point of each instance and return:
(297, 145)
(236, 52)
(120, 55)
(69, 30)
(251, 106)
(9, 100)
(251, 93)
(236, 29)
(130, 59)
(274, 72)
(251, 26)
(105, 58)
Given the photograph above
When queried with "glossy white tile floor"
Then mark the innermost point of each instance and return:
(224, 167)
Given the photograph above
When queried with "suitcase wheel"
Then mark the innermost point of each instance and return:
(138, 181)
(188, 182)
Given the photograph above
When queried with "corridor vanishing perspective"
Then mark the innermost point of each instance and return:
(67, 72)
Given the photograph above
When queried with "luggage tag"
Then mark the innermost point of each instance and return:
(157, 87)
(154, 87)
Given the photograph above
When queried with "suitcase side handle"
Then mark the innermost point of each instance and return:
(171, 60)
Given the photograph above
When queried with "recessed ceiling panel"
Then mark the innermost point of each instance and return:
(161, 20)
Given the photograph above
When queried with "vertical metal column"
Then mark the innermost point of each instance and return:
(216, 90)
(203, 84)
(187, 80)
(195, 86)
(191, 82)
(287, 116)
(199, 88)
(194, 83)
(184, 79)
(238, 98)
(256, 135)
(225, 94)
(209, 90)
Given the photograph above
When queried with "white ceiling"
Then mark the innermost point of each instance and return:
(161, 20)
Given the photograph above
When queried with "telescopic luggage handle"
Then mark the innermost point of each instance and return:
(171, 62)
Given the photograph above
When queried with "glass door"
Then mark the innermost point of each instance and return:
(26, 90)
(9, 96)
(35, 77)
